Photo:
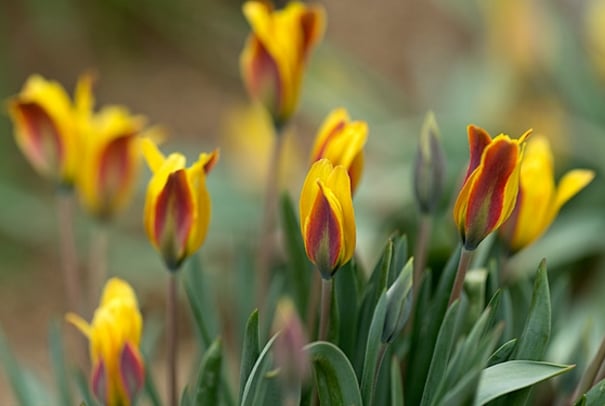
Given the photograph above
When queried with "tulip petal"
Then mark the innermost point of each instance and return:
(153, 156)
(132, 373)
(332, 125)
(313, 23)
(79, 323)
(339, 184)
(201, 204)
(261, 74)
(478, 140)
(319, 170)
(99, 383)
(571, 183)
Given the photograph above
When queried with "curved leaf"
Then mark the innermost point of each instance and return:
(206, 391)
(254, 384)
(373, 346)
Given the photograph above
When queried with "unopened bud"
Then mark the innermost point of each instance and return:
(429, 169)
(399, 303)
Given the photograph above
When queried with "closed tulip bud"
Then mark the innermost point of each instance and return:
(489, 192)
(539, 199)
(114, 335)
(177, 205)
(399, 303)
(341, 141)
(46, 128)
(327, 220)
(109, 162)
(429, 168)
(276, 52)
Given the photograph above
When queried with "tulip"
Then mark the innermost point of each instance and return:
(274, 57)
(177, 205)
(429, 167)
(341, 141)
(490, 188)
(114, 335)
(46, 128)
(539, 200)
(327, 219)
(109, 162)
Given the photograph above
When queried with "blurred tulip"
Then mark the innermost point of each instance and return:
(114, 335)
(539, 200)
(341, 141)
(595, 34)
(110, 161)
(327, 219)
(274, 57)
(177, 206)
(429, 168)
(46, 128)
(490, 188)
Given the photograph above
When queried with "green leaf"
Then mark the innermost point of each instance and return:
(209, 378)
(298, 265)
(396, 383)
(346, 291)
(151, 334)
(510, 376)
(57, 356)
(16, 375)
(255, 384)
(194, 288)
(373, 348)
(250, 350)
(503, 353)
(594, 397)
(84, 387)
(334, 376)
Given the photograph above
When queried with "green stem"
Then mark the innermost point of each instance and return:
(268, 225)
(381, 352)
(463, 265)
(420, 254)
(68, 253)
(326, 305)
(312, 303)
(172, 333)
(588, 379)
(97, 263)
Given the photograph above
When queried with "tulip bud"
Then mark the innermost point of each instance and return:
(399, 303)
(429, 169)
(489, 192)
(327, 220)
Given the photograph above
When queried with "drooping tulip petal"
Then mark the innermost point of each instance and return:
(114, 335)
(539, 199)
(341, 141)
(327, 217)
(177, 206)
(275, 53)
(490, 189)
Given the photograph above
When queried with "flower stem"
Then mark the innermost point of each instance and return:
(588, 379)
(326, 305)
(172, 326)
(67, 242)
(421, 251)
(98, 262)
(465, 261)
(268, 225)
(312, 303)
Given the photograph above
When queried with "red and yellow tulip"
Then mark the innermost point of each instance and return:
(46, 127)
(341, 141)
(275, 54)
(327, 219)
(110, 158)
(539, 199)
(490, 188)
(177, 206)
(114, 335)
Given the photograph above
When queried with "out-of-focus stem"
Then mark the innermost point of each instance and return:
(67, 242)
(326, 305)
(312, 303)
(465, 261)
(98, 262)
(171, 327)
(421, 251)
(268, 225)
(588, 379)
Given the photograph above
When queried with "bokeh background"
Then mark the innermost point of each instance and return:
(506, 65)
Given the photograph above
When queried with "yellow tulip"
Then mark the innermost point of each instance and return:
(114, 335)
(539, 200)
(110, 157)
(327, 219)
(489, 192)
(341, 141)
(275, 54)
(177, 206)
(46, 127)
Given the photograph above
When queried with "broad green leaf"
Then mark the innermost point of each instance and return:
(256, 380)
(373, 347)
(299, 267)
(594, 397)
(346, 289)
(503, 353)
(334, 376)
(250, 350)
(396, 383)
(209, 377)
(510, 376)
(57, 356)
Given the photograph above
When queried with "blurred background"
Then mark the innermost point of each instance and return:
(505, 65)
